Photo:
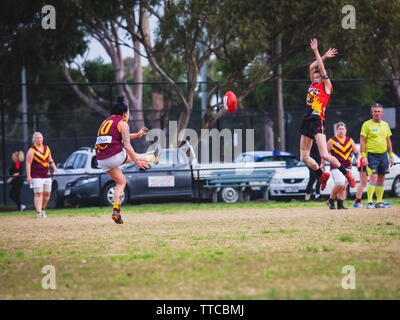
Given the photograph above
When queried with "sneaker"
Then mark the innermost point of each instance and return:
(370, 205)
(44, 214)
(116, 216)
(39, 215)
(22, 208)
(380, 205)
(350, 179)
(323, 179)
(386, 203)
(331, 204)
(358, 205)
(342, 208)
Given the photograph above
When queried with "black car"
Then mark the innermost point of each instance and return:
(170, 178)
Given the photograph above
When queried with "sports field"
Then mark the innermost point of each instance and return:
(254, 250)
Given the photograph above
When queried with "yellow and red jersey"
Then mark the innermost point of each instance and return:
(316, 102)
(40, 167)
(109, 138)
(342, 150)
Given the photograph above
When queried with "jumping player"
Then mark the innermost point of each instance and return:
(341, 147)
(312, 125)
(113, 148)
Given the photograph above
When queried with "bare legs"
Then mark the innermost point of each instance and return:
(117, 175)
(41, 200)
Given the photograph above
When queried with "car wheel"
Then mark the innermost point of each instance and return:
(396, 187)
(229, 195)
(58, 200)
(108, 195)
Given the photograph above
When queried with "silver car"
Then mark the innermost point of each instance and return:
(80, 162)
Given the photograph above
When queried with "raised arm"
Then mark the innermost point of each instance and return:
(321, 67)
(140, 134)
(332, 52)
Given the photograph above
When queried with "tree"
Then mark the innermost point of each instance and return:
(239, 34)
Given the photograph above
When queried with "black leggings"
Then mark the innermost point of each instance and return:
(313, 177)
(15, 194)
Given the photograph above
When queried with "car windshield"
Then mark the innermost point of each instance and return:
(69, 164)
(290, 161)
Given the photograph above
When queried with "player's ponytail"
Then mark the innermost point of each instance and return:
(120, 107)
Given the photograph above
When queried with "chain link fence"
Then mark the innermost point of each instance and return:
(67, 123)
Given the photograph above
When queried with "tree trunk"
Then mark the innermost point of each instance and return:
(157, 96)
(279, 133)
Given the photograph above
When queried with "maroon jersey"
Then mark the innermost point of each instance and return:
(316, 102)
(40, 164)
(109, 138)
(341, 150)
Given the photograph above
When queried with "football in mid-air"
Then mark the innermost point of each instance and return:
(230, 102)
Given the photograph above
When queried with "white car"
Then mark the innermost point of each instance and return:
(293, 182)
(80, 162)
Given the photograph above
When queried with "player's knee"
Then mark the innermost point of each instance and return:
(304, 157)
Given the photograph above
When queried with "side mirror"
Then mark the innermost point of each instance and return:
(60, 165)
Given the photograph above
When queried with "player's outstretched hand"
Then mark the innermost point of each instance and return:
(332, 52)
(143, 132)
(142, 164)
(314, 44)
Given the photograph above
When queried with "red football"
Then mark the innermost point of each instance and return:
(230, 102)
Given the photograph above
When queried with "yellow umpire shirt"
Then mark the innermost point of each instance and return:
(376, 134)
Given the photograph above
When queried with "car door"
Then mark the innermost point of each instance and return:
(170, 177)
(75, 167)
(64, 173)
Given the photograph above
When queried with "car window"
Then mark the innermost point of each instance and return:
(69, 164)
(80, 161)
(266, 159)
(168, 157)
(95, 164)
(290, 161)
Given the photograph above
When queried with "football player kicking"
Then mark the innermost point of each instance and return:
(111, 137)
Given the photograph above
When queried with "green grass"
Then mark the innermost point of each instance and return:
(171, 208)
(346, 238)
(256, 250)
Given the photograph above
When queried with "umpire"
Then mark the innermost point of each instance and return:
(375, 144)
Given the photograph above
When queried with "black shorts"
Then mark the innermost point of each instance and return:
(311, 127)
(378, 163)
